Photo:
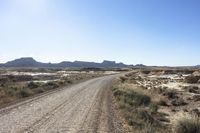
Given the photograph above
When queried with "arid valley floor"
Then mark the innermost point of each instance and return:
(141, 100)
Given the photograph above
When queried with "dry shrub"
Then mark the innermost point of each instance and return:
(192, 89)
(178, 102)
(25, 92)
(188, 125)
(132, 98)
(192, 79)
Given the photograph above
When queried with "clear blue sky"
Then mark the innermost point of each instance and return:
(152, 32)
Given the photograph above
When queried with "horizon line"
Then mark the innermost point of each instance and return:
(101, 62)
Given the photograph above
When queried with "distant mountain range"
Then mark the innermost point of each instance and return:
(30, 62)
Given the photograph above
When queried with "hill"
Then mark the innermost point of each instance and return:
(30, 62)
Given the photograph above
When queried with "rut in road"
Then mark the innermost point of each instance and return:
(85, 108)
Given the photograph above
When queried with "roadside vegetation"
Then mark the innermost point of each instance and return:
(188, 124)
(150, 104)
(16, 84)
(139, 108)
(13, 90)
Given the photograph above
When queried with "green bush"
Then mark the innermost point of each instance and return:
(68, 80)
(51, 85)
(132, 98)
(33, 85)
(188, 125)
(153, 108)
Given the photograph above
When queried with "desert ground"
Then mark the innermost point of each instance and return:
(160, 99)
(20, 83)
(57, 100)
(139, 100)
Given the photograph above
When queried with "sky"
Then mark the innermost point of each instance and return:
(150, 32)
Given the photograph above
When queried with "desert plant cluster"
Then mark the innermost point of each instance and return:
(19, 83)
(160, 100)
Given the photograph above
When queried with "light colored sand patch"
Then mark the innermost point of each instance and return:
(178, 85)
(172, 85)
(29, 73)
(75, 72)
(110, 72)
(169, 76)
(65, 75)
(44, 81)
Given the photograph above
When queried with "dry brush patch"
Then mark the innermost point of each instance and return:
(187, 124)
(192, 79)
(16, 84)
(171, 92)
(140, 108)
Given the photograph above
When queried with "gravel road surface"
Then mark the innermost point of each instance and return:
(82, 108)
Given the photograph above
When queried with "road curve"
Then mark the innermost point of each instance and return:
(81, 108)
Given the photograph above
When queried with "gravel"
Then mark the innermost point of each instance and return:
(85, 107)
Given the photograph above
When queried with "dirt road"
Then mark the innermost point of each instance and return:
(84, 107)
